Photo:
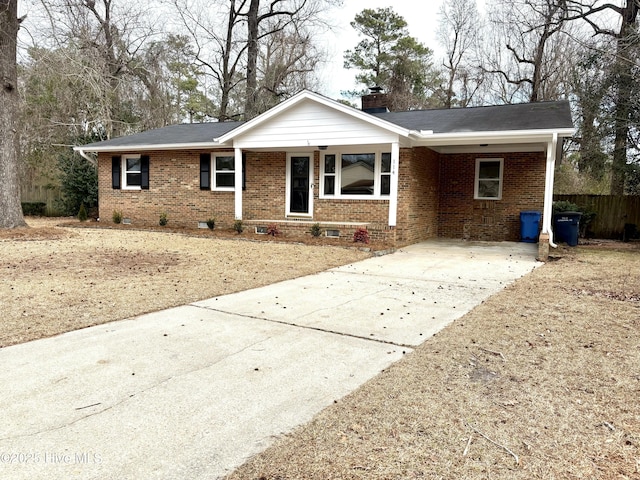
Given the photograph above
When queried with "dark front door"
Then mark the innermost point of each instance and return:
(300, 185)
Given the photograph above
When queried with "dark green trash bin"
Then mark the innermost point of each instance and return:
(529, 226)
(567, 227)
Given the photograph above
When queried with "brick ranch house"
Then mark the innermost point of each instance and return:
(405, 176)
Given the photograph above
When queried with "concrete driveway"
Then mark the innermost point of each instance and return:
(194, 391)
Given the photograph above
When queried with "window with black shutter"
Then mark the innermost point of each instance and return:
(205, 171)
(115, 171)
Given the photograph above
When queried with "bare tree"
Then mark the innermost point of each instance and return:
(10, 208)
(626, 40)
(287, 64)
(231, 50)
(267, 18)
(591, 86)
(458, 33)
(530, 34)
(107, 36)
(218, 48)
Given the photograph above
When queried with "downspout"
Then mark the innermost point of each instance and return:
(85, 156)
(548, 189)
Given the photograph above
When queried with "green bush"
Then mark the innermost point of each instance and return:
(34, 209)
(82, 214)
(238, 227)
(315, 230)
(117, 216)
(79, 183)
(586, 218)
(163, 219)
(560, 206)
(211, 223)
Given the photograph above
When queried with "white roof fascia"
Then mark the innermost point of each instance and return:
(505, 136)
(169, 146)
(308, 95)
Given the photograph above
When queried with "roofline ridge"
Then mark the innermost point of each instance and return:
(476, 107)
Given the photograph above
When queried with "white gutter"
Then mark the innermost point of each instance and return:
(137, 148)
(85, 156)
(505, 136)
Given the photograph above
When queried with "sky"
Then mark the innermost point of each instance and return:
(422, 19)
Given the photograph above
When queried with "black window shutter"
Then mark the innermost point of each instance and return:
(116, 163)
(205, 171)
(244, 171)
(144, 171)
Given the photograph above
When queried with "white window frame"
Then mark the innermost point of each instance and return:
(478, 179)
(123, 168)
(377, 174)
(214, 163)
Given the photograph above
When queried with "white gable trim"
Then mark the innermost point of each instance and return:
(307, 95)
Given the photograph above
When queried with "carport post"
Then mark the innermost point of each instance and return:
(393, 194)
(238, 184)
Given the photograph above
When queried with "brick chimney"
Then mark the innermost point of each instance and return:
(375, 101)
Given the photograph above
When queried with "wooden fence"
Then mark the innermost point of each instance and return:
(44, 194)
(612, 212)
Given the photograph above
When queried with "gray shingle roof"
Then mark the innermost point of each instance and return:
(525, 116)
(175, 134)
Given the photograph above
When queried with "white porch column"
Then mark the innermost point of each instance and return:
(238, 184)
(393, 194)
(548, 188)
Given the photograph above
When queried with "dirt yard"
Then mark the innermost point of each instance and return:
(542, 381)
(56, 279)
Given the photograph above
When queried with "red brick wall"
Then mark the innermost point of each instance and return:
(264, 198)
(428, 183)
(493, 220)
(174, 188)
(417, 195)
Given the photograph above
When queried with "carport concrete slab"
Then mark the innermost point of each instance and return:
(402, 298)
(183, 393)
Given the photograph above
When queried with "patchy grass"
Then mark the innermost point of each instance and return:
(54, 280)
(541, 381)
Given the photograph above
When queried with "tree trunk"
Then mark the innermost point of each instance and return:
(10, 208)
(227, 70)
(624, 86)
(252, 60)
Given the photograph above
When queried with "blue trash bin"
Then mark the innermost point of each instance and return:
(567, 227)
(529, 226)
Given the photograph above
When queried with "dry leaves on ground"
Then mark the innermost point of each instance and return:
(60, 279)
(541, 381)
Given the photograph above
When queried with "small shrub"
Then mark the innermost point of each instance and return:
(117, 216)
(211, 223)
(315, 230)
(361, 235)
(163, 219)
(273, 230)
(565, 206)
(82, 214)
(34, 208)
(238, 227)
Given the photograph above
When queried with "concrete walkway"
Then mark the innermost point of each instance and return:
(194, 391)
